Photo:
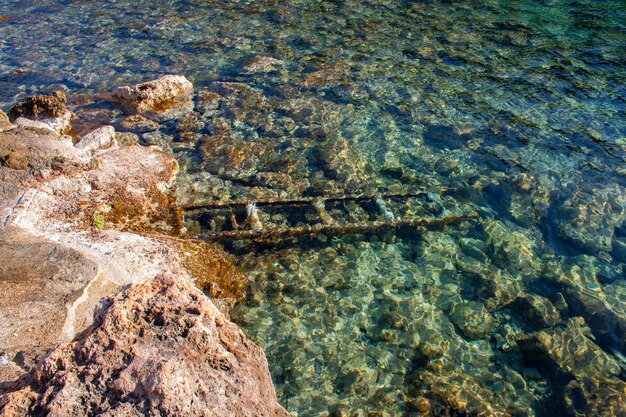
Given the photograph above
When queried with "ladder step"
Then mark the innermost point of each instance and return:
(208, 205)
(334, 229)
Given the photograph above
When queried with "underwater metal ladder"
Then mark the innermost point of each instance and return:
(252, 228)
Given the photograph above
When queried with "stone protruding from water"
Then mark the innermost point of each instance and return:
(154, 96)
(48, 112)
(161, 348)
(101, 138)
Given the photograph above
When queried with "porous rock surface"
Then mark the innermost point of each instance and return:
(161, 348)
(154, 96)
(77, 224)
(47, 112)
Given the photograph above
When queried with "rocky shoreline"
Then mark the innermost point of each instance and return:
(83, 219)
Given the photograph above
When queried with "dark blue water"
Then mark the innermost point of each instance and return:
(513, 110)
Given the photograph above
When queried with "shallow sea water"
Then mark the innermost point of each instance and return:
(513, 110)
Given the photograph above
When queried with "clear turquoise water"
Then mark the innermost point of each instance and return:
(513, 109)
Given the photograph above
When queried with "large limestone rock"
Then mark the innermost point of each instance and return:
(77, 223)
(161, 348)
(55, 266)
(154, 96)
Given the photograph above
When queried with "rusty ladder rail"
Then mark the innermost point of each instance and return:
(328, 226)
(333, 229)
(204, 205)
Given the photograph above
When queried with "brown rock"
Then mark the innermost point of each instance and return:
(43, 113)
(154, 96)
(5, 124)
(40, 106)
(568, 350)
(160, 348)
(60, 255)
(15, 160)
(37, 278)
(138, 123)
(601, 397)
(261, 64)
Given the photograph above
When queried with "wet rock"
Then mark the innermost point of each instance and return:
(512, 249)
(457, 382)
(340, 163)
(601, 306)
(101, 138)
(158, 138)
(207, 102)
(225, 156)
(5, 123)
(619, 248)
(475, 248)
(245, 104)
(40, 106)
(605, 313)
(588, 218)
(598, 397)
(126, 138)
(189, 123)
(537, 310)
(261, 64)
(568, 350)
(330, 75)
(47, 112)
(498, 288)
(154, 96)
(159, 348)
(441, 137)
(472, 319)
(139, 124)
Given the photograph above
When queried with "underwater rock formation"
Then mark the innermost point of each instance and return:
(598, 397)
(160, 348)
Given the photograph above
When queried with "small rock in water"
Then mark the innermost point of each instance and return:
(138, 123)
(40, 106)
(154, 96)
(261, 64)
(101, 138)
(43, 112)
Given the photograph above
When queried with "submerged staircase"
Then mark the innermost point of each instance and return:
(275, 219)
